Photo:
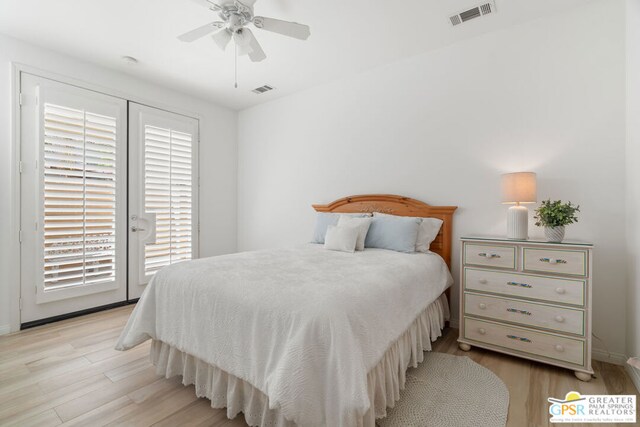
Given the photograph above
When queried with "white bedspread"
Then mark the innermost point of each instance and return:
(304, 325)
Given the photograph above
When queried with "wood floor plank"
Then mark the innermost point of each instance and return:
(62, 369)
(126, 370)
(104, 414)
(101, 353)
(95, 338)
(68, 372)
(19, 409)
(32, 390)
(194, 414)
(162, 405)
(47, 418)
(218, 418)
(26, 357)
(14, 370)
(156, 389)
(111, 391)
(62, 380)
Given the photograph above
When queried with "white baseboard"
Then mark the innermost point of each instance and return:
(604, 356)
(4, 329)
(634, 374)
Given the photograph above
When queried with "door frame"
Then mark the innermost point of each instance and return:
(14, 257)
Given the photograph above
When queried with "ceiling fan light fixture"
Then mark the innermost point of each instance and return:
(222, 38)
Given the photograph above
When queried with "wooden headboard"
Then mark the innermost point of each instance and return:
(402, 206)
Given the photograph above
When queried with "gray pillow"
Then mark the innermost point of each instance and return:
(324, 220)
(393, 232)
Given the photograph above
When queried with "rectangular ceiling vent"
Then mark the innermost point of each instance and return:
(262, 89)
(474, 12)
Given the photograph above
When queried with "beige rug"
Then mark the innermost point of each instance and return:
(447, 390)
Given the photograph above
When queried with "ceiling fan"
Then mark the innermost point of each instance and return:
(235, 16)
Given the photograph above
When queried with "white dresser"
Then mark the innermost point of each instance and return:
(529, 299)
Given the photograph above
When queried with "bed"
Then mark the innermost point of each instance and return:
(300, 335)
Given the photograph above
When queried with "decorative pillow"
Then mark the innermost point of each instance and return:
(429, 229)
(362, 224)
(396, 233)
(325, 219)
(341, 238)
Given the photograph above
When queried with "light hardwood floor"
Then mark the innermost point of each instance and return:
(68, 373)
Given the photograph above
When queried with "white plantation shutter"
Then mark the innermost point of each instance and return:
(73, 204)
(168, 195)
(79, 197)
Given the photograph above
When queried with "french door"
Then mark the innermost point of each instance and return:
(163, 224)
(73, 199)
(91, 192)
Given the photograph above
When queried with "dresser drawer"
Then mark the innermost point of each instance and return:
(525, 340)
(557, 319)
(566, 291)
(556, 261)
(490, 255)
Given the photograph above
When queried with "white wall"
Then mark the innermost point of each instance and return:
(218, 151)
(633, 178)
(547, 96)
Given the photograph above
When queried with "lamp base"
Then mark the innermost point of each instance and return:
(518, 223)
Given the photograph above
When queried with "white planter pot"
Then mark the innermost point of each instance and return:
(554, 234)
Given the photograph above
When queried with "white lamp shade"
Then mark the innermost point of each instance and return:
(519, 187)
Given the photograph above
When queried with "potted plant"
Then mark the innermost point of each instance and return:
(553, 216)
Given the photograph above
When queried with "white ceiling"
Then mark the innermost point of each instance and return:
(346, 37)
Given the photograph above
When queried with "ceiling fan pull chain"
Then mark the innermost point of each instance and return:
(235, 48)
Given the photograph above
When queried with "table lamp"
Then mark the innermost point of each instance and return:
(518, 188)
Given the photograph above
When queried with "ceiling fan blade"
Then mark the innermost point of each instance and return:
(222, 38)
(256, 54)
(291, 29)
(243, 7)
(201, 31)
(208, 4)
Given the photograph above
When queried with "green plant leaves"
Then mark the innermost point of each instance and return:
(556, 214)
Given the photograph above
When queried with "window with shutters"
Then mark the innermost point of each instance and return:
(168, 195)
(79, 200)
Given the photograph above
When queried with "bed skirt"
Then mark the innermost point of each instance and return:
(385, 380)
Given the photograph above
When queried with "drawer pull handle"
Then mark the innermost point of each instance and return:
(553, 260)
(488, 256)
(559, 319)
(515, 310)
(517, 338)
(483, 281)
(559, 348)
(482, 305)
(522, 285)
(482, 331)
(560, 290)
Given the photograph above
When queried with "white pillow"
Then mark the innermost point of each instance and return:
(341, 238)
(427, 232)
(362, 224)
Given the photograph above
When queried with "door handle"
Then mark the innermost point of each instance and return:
(148, 220)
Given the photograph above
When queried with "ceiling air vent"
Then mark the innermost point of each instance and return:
(262, 89)
(474, 12)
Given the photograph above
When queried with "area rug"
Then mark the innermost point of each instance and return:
(447, 390)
